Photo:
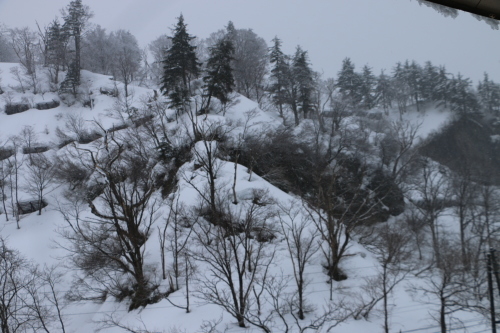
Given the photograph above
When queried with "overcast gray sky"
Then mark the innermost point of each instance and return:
(374, 32)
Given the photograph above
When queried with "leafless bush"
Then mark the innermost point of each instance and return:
(28, 297)
(109, 248)
(302, 243)
(234, 258)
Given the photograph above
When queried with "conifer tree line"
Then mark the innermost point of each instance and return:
(230, 60)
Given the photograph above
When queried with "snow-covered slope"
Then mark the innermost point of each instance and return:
(39, 237)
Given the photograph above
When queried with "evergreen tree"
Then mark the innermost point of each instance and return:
(57, 40)
(413, 75)
(180, 66)
(304, 78)
(402, 91)
(219, 81)
(292, 90)
(279, 74)
(462, 98)
(348, 82)
(384, 91)
(489, 95)
(367, 88)
(429, 81)
(442, 88)
(76, 17)
(71, 81)
(231, 31)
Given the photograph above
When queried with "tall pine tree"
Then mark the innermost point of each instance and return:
(279, 74)
(489, 95)
(442, 89)
(304, 78)
(180, 66)
(57, 40)
(349, 83)
(462, 97)
(384, 91)
(219, 80)
(430, 79)
(76, 17)
(367, 88)
(414, 76)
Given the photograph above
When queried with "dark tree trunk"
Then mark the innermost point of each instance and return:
(77, 55)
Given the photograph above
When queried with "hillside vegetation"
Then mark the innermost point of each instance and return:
(222, 190)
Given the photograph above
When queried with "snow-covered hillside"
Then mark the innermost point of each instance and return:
(39, 238)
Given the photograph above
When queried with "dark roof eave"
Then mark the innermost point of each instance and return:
(490, 9)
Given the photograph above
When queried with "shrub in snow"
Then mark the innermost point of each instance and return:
(35, 150)
(110, 92)
(88, 137)
(31, 206)
(117, 128)
(5, 153)
(12, 108)
(47, 105)
(89, 103)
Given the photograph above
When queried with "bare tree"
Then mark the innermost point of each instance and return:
(337, 208)
(181, 229)
(6, 52)
(416, 224)
(110, 321)
(39, 178)
(390, 246)
(44, 300)
(25, 44)
(96, 51)
(302, 243)
(250, 62)
(447, 286)
(29, 301)
(29, 139)
(206, 152)
(14, 311)
(4, 177)
(488, 212)
(162, 237)
(14, 164)
(398, 149)
(235, 255)
(464, 193)
(177, 230)
(127, 55)
(158, 48)
(323, 93)
(76, 125)
(18, 76)
(110, 248)
(433, 190)
(282, 316)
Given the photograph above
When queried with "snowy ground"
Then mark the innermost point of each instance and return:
(38, 236)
